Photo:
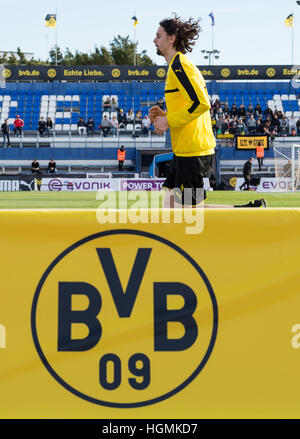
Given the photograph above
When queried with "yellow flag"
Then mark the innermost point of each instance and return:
(289, 21)
(51, 20)
(135, 20)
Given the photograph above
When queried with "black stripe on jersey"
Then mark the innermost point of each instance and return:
(172, 91)
(186, 83)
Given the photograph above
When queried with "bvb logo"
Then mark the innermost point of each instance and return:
(115, 327)
(271, 72)
(161, 73)
(232, 182)
(116, 73)
(225, 73)
(6, 73)
(51, 73)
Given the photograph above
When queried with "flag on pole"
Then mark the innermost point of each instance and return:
(211, 15)
(289, 21)
(50, 20)
(135, 20)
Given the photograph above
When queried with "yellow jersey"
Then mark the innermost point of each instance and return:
(188, 109)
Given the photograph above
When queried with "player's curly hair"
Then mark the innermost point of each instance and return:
(186, 32)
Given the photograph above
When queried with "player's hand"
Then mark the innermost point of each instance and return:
(160, 125)
(155, 112)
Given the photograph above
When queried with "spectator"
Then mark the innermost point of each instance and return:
(49, 126)
(35, 167)
(292, 126)
(240, 127)
(232, 126)
(105, 126)
(5, 131)
(81, 125)
(250, 111)
(146, 124)
(121, 157)
(242, 110)
(18, 125)
(129, 116)
(251, 124)
(284, 127)
(268, 113)
(257, 111)
(275, 124)
(115, 126)
(90, 127)
(51, 166)
(298, 127)
(259, 127)
(161, 103)
(121, 118)
(219, 126)
(107, 104)
(234, 111)
(138, 117)
(226, 110)
(114, 104)
(42, 126)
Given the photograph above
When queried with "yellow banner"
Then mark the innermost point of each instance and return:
(146, 321)
(251, 142)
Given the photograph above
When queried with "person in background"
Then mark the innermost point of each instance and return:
(81, 125)
(247, 174)
(18, 125)
(115, 126)
(298, 127)
(35, 167)
(146, 124)
(51, 167)
(121, 157)
(42, 126)
(5, 131)
(49, 126)
(260, 152)
(90, 127)
(105, 126)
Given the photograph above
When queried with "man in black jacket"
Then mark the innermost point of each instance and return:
(247, 174)
(42, 126)
(5, 132)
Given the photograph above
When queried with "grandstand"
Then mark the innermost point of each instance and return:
(66, 102)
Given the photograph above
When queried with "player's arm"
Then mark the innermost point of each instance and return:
(193, 91)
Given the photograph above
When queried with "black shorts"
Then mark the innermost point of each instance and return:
(188, 173)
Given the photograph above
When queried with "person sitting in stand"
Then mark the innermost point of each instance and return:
(130, 116)
(121, 118)
(105, 126)
(18, 125)
(49, 126)
(138, 117)
(42, 126)
(90, 127)
(115, 126)
(146, 124)
(51, 166)
(35, 167)
(107, 104)
(81, 125)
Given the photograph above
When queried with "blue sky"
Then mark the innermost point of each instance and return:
(245, 32)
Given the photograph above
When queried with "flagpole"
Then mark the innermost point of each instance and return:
(134, 40)
(56, 37)
(293, 40)
(212, 42)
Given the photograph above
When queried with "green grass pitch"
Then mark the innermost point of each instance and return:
(87, 200)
